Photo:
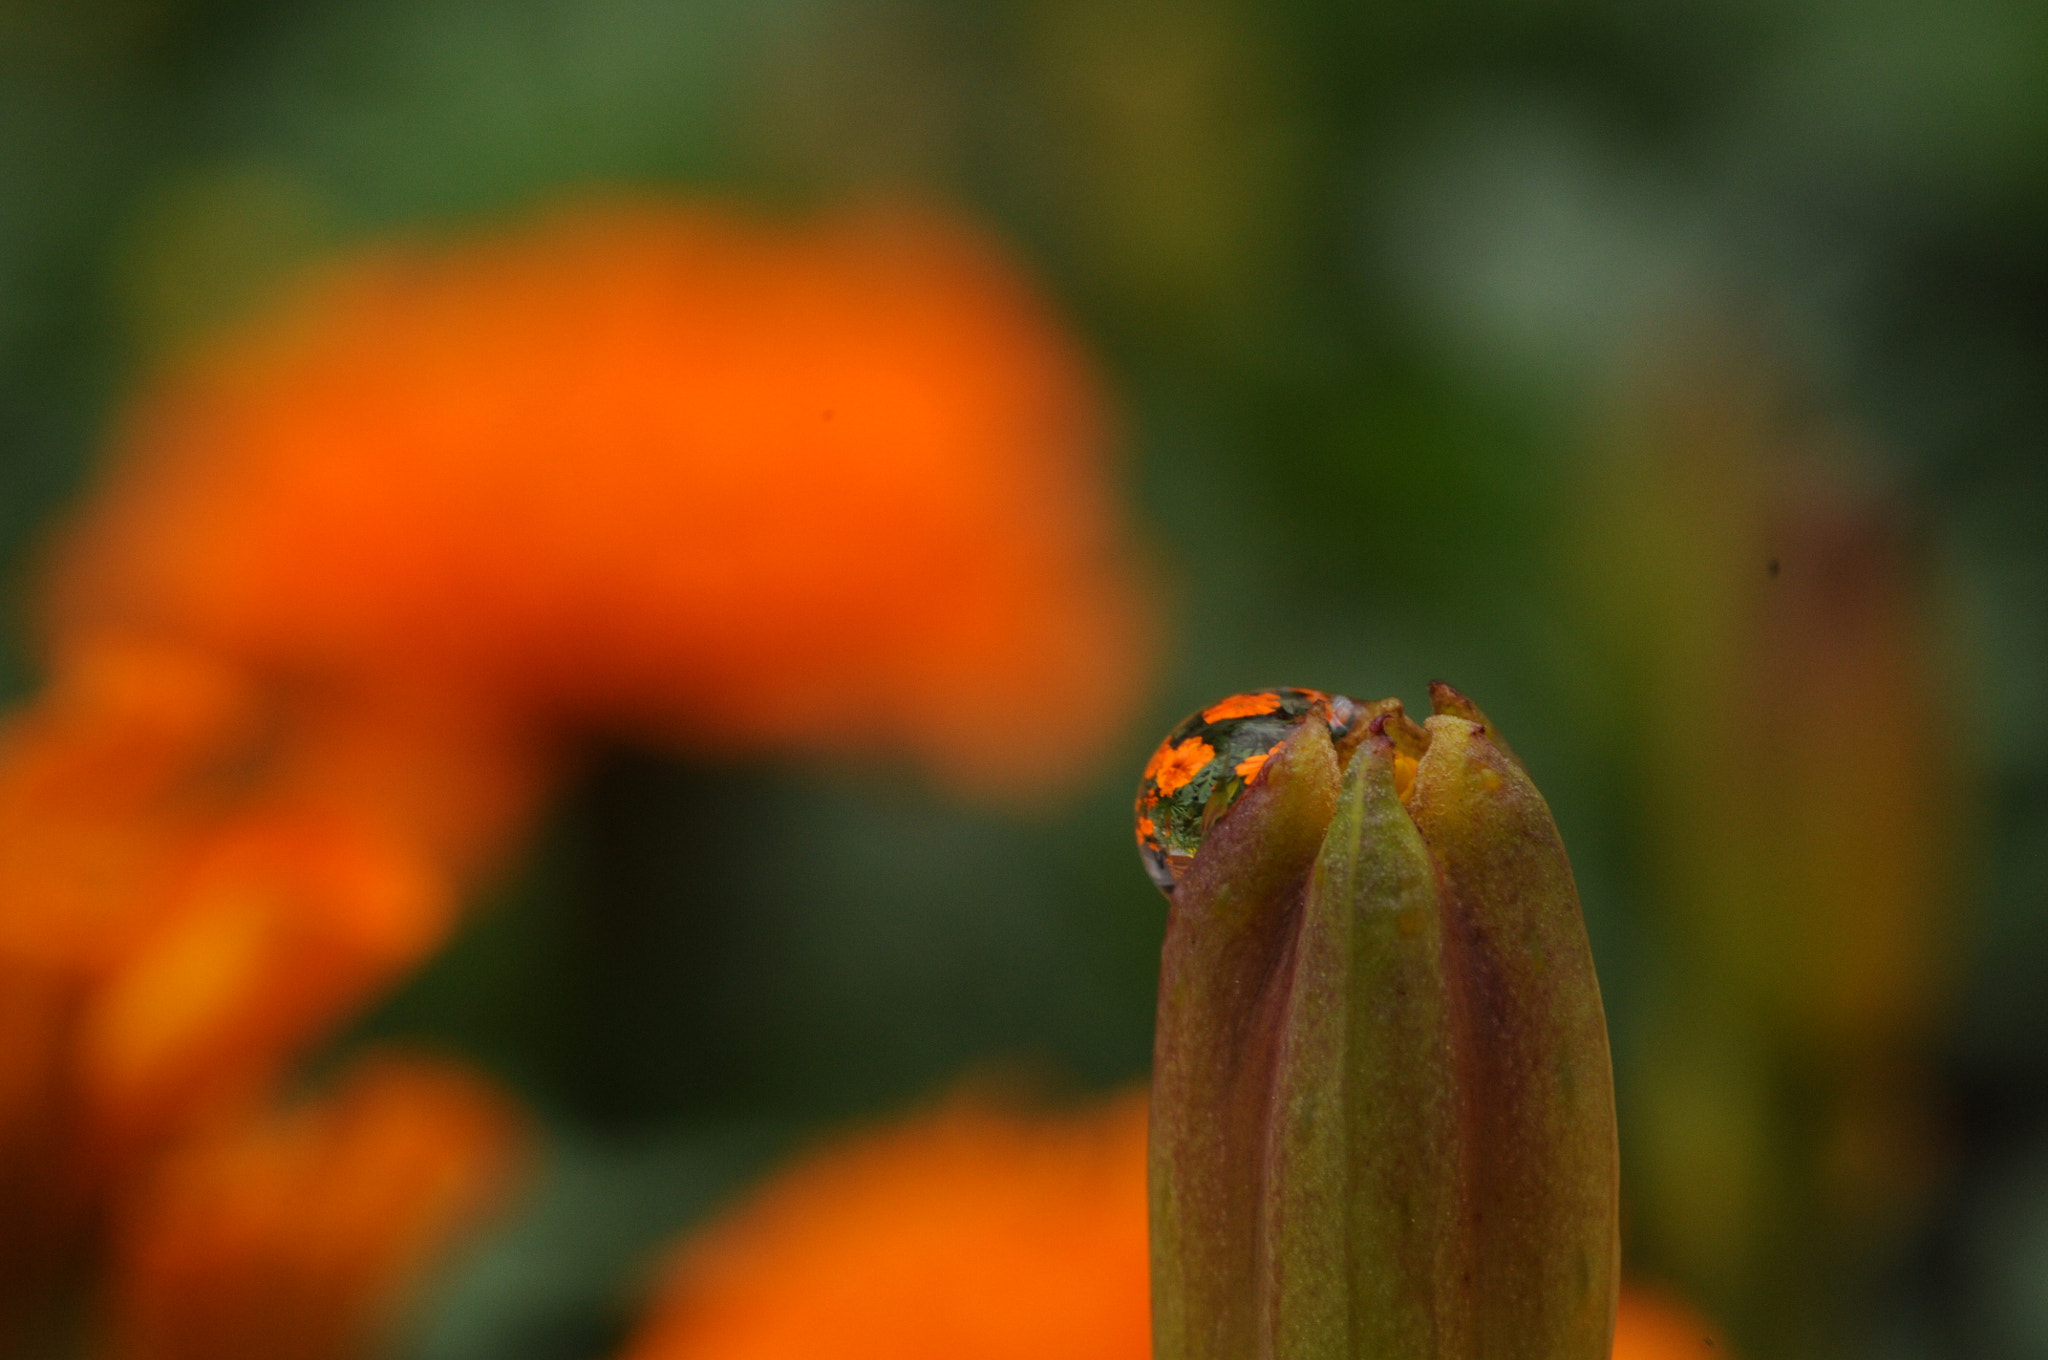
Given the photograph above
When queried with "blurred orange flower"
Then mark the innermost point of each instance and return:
(1654, 1325)
(302, 1235)
(655, 468)
(362, 572)
(973, 1234)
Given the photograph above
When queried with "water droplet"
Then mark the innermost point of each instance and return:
(1209, 759)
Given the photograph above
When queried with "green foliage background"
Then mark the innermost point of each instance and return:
(1368, 282)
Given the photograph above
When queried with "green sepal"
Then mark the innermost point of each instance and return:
(1539, 1085)
(1362, 1246)
(1222, 996)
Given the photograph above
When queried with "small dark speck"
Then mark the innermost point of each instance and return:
(1771, 568)
(1774, 565)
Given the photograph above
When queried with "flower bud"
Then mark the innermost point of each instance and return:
(1382, 1104)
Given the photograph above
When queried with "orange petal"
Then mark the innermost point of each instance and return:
(301, 1235)
(971, 1233)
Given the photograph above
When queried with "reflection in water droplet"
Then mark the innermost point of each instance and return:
(1208, 761)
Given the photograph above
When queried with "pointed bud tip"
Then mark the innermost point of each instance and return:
(1447, 701)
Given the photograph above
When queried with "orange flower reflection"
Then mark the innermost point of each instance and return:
(301, 1235)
